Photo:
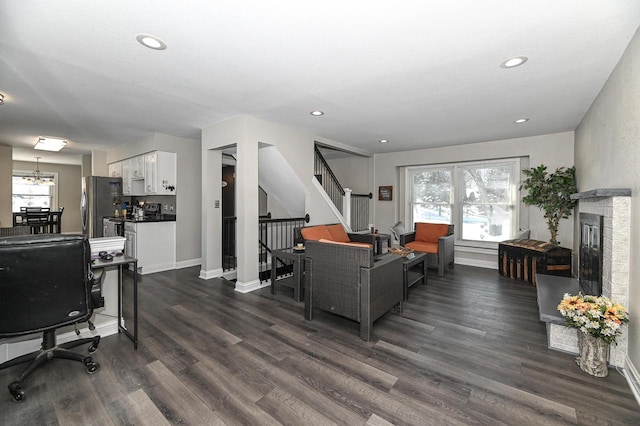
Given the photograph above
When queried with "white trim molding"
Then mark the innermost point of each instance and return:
(214, 273)
(633, 378)
(250, 286)
(188, 263)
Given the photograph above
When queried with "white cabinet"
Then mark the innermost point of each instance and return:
(155, 246)
(160, 173)
(137, 167)
(130, 239)
(153, 173)
(126, 177)
(115, 169)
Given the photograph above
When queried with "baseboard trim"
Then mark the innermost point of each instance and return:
(188, 263)
(230, 275)
(487, 264)
(633, 378)
(251, 286)
(150, 269)
(213, 273)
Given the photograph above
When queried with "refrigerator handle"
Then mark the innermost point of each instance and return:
(83, 211)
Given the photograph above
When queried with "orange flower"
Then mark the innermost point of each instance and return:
(570, 303)
(583, 307)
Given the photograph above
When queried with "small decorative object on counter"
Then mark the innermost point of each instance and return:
(599, 321)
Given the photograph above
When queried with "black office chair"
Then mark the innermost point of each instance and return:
(46, 283)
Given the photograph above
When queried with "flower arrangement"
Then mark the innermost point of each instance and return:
(594, 315)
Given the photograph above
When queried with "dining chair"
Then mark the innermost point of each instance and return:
(38, 220)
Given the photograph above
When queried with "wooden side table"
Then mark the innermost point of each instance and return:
(414, 270)
(296, 280)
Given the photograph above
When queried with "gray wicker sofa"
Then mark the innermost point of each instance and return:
(347, 281)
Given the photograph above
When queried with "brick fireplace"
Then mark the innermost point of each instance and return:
(614, 205)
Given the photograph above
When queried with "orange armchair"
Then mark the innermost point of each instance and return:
(437, 240)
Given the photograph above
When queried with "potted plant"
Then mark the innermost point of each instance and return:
(551, 192)
(598, 320)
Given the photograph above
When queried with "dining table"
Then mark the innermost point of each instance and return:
(50, 221)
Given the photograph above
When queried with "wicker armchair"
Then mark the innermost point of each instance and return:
(15, 231)
(347, 281)
(445, 250)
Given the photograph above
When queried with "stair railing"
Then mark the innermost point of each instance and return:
(327, 179)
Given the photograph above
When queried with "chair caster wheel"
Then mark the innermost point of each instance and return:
(93, 347)
(92, 367)
(16, 393)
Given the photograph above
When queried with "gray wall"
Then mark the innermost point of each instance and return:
(352, 173)
(607, 155)
(6, 167)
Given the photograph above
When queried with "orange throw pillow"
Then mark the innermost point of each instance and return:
(338, 233)
(316, 233)
(431, 232)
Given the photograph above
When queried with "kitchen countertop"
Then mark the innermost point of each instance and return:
(147, 219)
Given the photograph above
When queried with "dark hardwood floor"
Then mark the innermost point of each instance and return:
(468, 349)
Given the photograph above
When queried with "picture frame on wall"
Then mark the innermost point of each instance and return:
(385, 193)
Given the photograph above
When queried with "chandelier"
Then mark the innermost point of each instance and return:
(38, 178)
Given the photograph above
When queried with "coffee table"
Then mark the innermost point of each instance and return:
(414, 269)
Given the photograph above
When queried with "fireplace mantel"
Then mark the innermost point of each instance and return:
(614, 205)
(602, 192)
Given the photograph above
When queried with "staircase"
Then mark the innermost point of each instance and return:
(354, 208)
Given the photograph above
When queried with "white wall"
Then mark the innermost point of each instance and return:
(607, 153)
(555, 150)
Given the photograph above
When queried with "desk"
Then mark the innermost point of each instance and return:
(294, 281)
(120, 261)
(54, 224)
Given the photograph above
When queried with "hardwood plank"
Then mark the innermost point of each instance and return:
(136, 408)
(289, 410)
(478, 381)
(177, 402)
(354, 367)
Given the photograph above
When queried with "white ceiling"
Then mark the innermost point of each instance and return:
(420, 73)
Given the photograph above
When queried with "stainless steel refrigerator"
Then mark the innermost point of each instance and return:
(101, 196)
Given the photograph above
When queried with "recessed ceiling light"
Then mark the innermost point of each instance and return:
(515, 61)
(521, 120)
(50, 144)
(150, 41)
(316, 113)
(383, 140)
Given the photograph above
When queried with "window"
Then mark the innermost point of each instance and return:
(479, 198)
(30, 195)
